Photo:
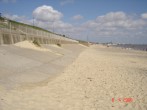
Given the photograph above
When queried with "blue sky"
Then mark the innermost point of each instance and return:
(120, 21)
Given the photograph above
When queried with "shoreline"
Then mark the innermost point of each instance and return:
(139, 47)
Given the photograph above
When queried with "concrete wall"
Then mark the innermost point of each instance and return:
(15, 33)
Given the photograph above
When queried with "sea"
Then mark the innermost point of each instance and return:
(142, 47)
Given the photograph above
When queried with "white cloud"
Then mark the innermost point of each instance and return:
(14, 17)
(113, 16)
(118, 20)
(116, 24)
(144, 15)
(22, 19)
(49, 18)
(77, 17)
(46, 13)
(64, 2)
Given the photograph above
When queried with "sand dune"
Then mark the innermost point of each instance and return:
(89, 83)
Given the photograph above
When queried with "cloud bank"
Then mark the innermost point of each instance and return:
(116, 24)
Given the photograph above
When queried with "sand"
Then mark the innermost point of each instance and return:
(89, 83)
(31, 45)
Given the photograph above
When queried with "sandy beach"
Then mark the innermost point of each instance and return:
(100, 78)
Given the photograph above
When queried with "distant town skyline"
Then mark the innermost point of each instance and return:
(117, 21)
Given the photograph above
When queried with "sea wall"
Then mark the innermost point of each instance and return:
(13, 33)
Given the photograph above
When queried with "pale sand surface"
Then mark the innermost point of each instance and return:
(89, 83)
(30, 45)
